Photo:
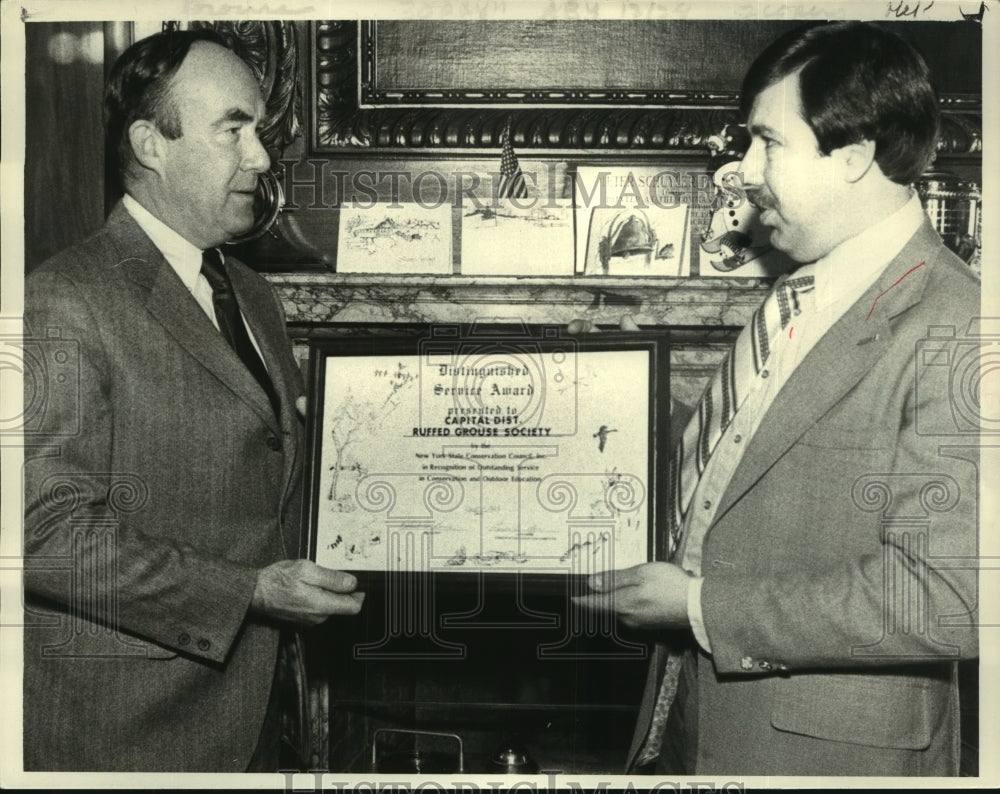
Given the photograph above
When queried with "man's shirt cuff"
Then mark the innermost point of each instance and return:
(694, 612)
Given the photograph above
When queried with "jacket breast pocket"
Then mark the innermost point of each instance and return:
(873, 710)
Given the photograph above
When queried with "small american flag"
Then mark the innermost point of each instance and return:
(511, 179)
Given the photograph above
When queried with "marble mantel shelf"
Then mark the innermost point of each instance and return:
(319, 298)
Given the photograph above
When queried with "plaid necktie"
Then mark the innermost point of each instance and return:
(719, 403)
(227, 313)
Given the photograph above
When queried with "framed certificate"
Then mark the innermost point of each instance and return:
(487, 450)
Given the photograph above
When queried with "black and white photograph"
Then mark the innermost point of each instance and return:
(584, 395)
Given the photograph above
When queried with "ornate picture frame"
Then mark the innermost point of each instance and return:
(371, 90)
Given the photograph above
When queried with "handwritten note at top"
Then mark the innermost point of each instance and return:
(900, 8)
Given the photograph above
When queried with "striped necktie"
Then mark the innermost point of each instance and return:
(730, 385)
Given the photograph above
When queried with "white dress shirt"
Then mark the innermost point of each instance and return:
(841, 277)
(184, 257)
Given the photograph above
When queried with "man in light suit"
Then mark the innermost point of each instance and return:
(822, 586)
(163, 481)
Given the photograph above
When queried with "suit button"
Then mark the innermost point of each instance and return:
(708, 504)
(204, 644)
(765, 666)
(737, 438)
(183, 639)
(746, 663)
(764, 373)
(274, 443)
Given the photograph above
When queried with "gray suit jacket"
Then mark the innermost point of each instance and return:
(840, 581)
(157, 481)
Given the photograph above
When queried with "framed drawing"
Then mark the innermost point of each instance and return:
(492, 450)
(395, 238)
(510, 240)
(632, 221)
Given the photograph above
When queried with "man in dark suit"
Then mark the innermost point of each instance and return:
(822, 582)
(163, 484)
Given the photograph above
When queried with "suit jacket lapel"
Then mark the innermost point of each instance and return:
(835, 365)
(258, 303)
(173, 306)
(271, 335)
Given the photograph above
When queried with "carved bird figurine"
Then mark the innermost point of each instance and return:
(602, 436)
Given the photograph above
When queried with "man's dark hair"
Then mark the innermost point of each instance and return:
(856, 82)
(138, 87)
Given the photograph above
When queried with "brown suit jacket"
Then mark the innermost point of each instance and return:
(157, 481)
(840, 570)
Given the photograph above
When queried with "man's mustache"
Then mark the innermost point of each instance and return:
(760, 199)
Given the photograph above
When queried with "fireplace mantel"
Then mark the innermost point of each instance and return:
(321, 298)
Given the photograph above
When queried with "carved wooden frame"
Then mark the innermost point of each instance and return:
(344, 81)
